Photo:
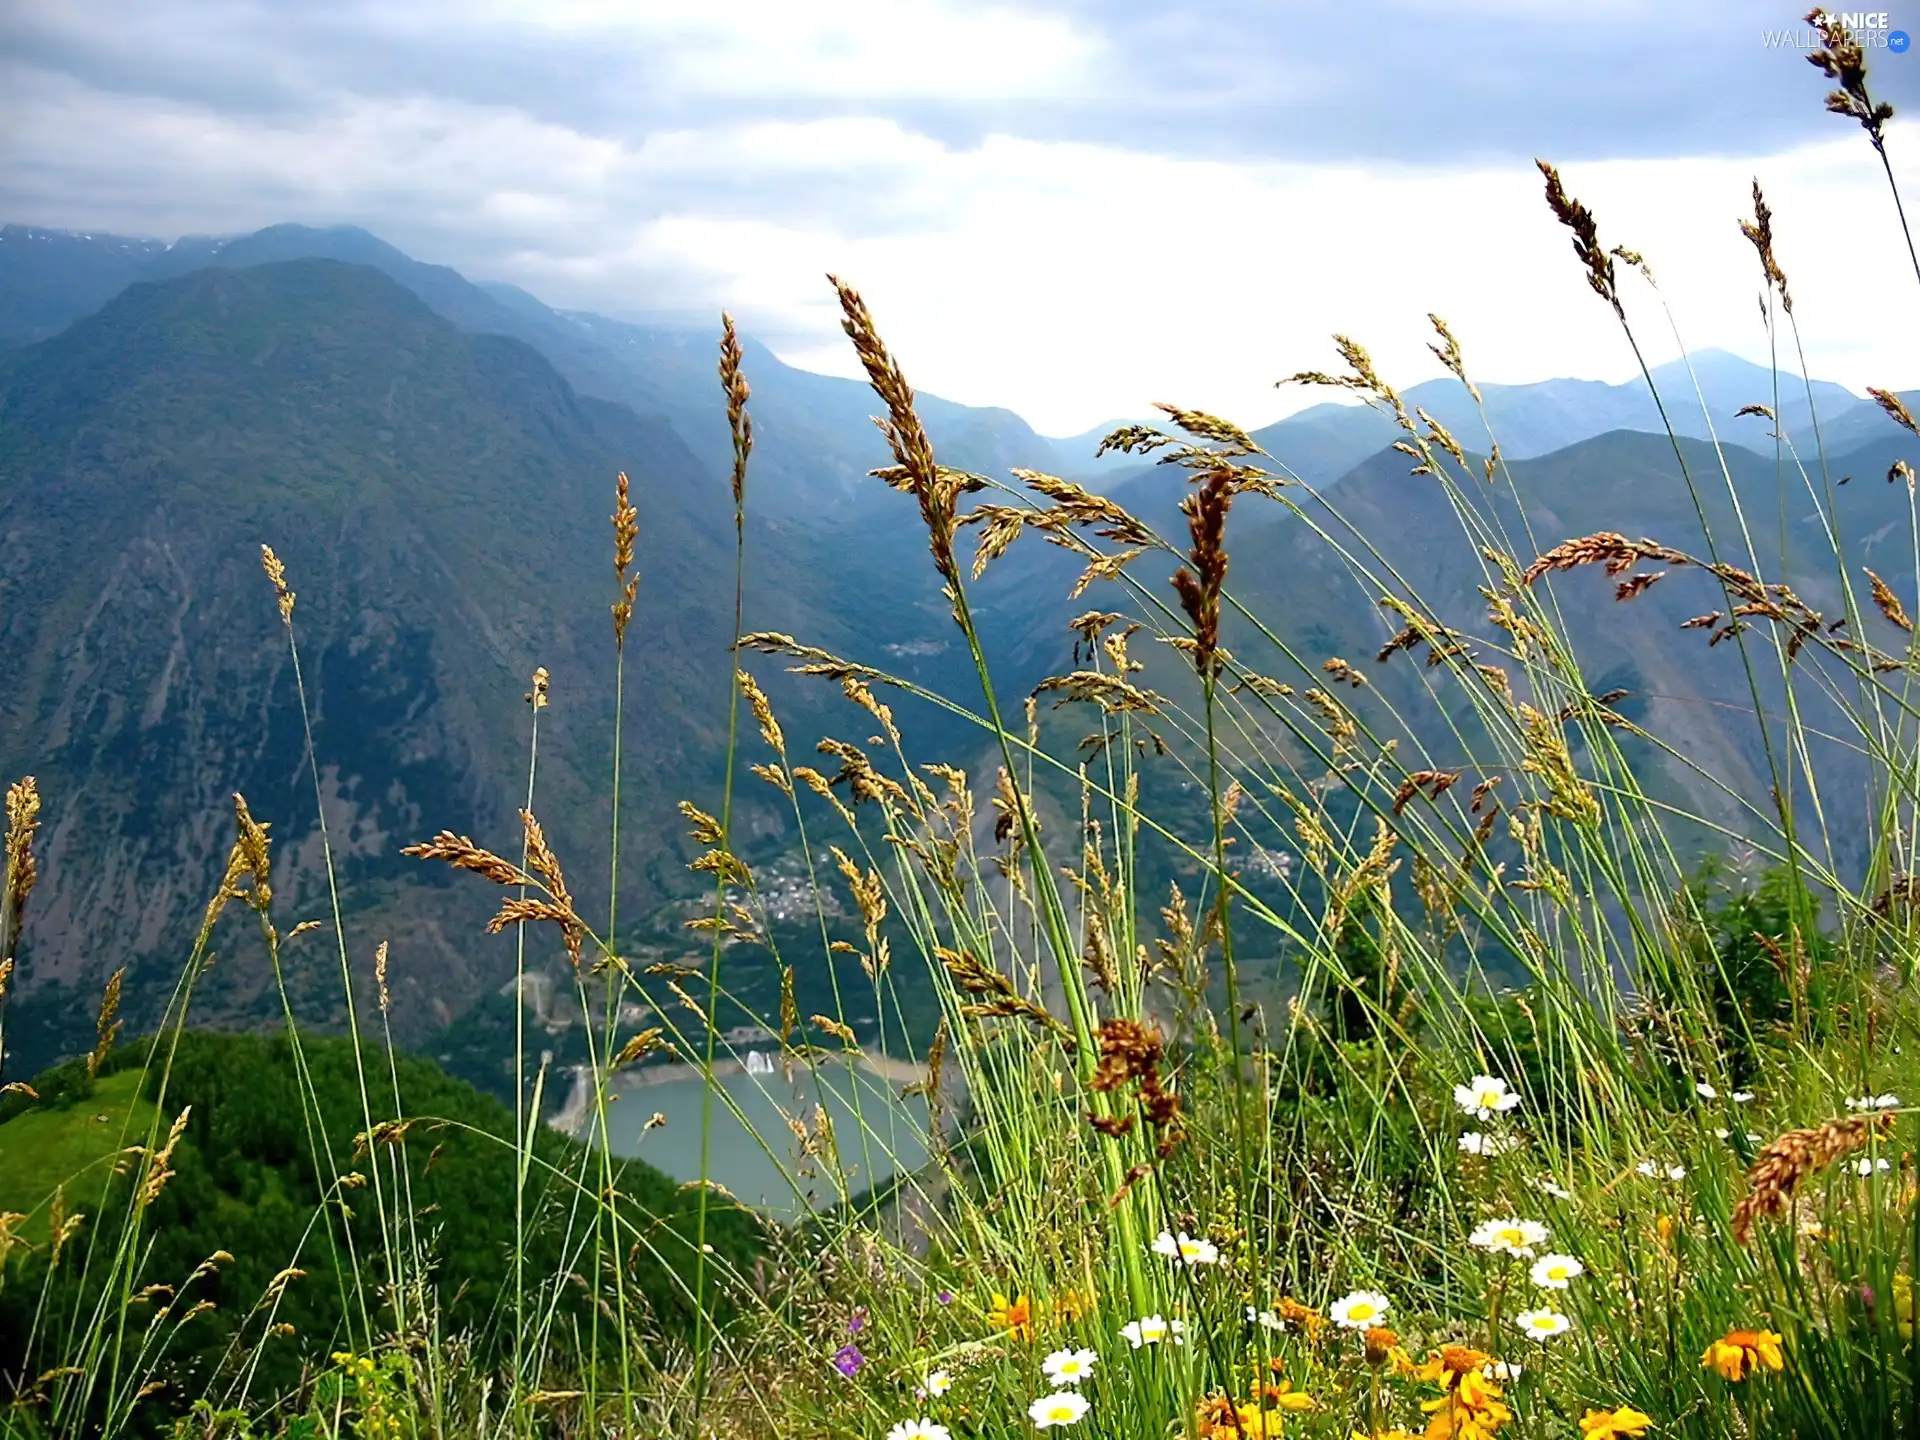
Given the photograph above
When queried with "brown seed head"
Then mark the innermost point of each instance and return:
(1201, 584)
(1889, 602)
(626, 529)
(1586, 238)
(1759, 232)
(22, 868)
(734, 383)
(277, 573)
(107, 1024)
(1792, 1158)
(1844, 61)
(914, 467)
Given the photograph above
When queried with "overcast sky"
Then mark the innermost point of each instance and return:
(1068, 208)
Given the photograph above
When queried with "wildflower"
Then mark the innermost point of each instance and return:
(1552, 1272)
(848, 1360)
(1485, 1096)
(1359, 1309)
(1302, 1319)
(1705, 1091)
(1626, 1423)
(1654, 1172)
(857, 1321)
(1742, 1097)
(1183, 1249)
(1542, 1325)
(1511, 1236)
(1903, 1305)
(1503, 1371)
(1013, 1316)
(1875, 1102)
(1069, 1367)
(1394, 1434)
(1284, 1397)
(1265, 1319)
(1063, 1407)
(945, 1297)
(938, 1383)
(1382, 1343)
(1152, 1330)
(921, 1429)
(1866, 1165)
(1546, 1186)
(1071, 1305)
(1720, 1132)
(1450, 1364)
(1739, 1353)
(1476, 1142)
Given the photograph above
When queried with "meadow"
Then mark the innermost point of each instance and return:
(1552, 1124)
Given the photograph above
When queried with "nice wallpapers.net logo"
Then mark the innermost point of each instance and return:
(1869, 29)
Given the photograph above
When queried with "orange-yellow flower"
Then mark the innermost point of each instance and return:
(1013, 1316)
(1739, 1353)
(1626, 1423)
(1446, 1366)
(1301, 1318)
(1381, 1342)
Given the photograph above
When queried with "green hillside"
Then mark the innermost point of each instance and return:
(246, 1182)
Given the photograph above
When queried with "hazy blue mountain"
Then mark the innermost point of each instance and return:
(440, 499)
(50, 278)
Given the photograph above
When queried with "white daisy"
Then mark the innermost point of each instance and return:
(938, 1383)
(1552, 1272)
(1063, 1407)
(921, 1429)
(1485, 1096)
(1705, 1091)
(1875, 1102)
(1476, 1142)
(1542, 1325)
(1265, 1319)
(1503, 1372)
(1510, 1236)
(1183, 1249)
(1721, 1132)
(1152, 1330)
(1069, 1367)
(1546, 1186)
(1743, 1097)
(1360, 1310)
(1866, 1166)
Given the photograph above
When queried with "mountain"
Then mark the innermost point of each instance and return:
(1323, 442)
(50, 278)
(440, 500)
(816, 443)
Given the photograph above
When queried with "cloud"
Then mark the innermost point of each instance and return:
(1067, 208)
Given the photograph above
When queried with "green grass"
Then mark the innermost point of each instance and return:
(1690, 1050)
(69, 1145)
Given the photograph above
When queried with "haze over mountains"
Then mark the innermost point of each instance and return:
(434, 460)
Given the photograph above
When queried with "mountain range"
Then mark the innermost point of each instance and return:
(434, 462)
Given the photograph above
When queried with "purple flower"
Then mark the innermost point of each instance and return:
(859, 1321)
(945, 1297)
(848, 1360)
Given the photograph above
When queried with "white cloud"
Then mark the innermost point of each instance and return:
(1071, 281)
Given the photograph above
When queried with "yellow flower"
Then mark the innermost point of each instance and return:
(1013, 1316)
(1738, 1353)
(1446, 1366)
(1284, 1397)
(1394, 1434)
(1071, 1305)
(1626, 1423)
(1903, 1305)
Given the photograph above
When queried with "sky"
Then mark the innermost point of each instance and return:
(1071, 208)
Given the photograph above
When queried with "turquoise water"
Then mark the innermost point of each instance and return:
(893, 1137)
